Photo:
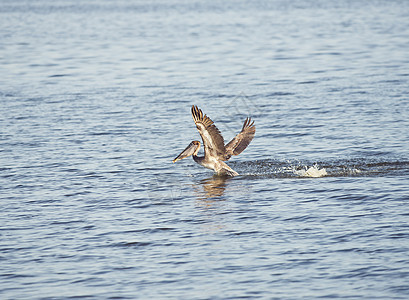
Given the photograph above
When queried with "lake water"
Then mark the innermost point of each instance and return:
(95, 101)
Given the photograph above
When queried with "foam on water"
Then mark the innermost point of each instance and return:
(313, 171)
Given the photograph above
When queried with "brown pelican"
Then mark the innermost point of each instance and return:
(215, 152)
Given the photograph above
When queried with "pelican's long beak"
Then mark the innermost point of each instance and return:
(187, 152)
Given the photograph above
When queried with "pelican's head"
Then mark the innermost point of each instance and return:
(192, 149)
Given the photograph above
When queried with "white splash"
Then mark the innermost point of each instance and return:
(313, 171)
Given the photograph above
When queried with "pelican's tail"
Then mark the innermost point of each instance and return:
(230, 172)
(225, 170)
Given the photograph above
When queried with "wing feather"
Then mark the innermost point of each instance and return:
(242, 140)
(213, 141)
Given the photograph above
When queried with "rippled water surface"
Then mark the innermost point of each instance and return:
(95, 103)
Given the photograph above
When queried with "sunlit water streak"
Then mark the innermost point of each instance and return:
(95, 103)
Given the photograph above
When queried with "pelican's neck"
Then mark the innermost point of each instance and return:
(196, 158)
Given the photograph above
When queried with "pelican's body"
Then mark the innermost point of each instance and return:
(212, 163)
(215, 152)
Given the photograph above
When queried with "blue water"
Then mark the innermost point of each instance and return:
(95, 103)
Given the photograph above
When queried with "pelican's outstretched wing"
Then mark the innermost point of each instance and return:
(242, 140)
(213, 141)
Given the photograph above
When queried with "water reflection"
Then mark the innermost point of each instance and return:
(211, 188)
(210, 200)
